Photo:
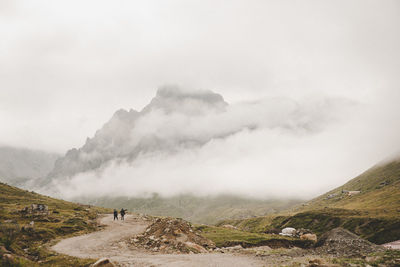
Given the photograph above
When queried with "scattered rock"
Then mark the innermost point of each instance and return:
(196, 247)
(315, 263)
(234, 248)
(228, 226)
(341, 242)
(320, 263)
(262, 248)
(103, 263)
(288, 231)
(36, 209)
(312, 237)
(8, 257)
(3, 250)
(170, 235)
(331, 196)
(302, 231)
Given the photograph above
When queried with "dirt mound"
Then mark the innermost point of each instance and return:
(170, 235)
(341, 242)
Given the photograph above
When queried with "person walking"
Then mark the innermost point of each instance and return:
(122, 214)
(115, 214)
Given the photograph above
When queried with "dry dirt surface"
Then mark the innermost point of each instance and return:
(112, 243)
(393, 245)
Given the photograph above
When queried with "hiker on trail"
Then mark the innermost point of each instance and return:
(115, 214)
(122, 213)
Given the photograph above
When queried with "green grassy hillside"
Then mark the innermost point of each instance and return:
(374, 213)
(208, 210)
(26, 236)
(379, 192)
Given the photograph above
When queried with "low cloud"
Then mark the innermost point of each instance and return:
(197, 143)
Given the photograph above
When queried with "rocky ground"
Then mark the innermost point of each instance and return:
(147, 241)
(343, 243)
(114, 243)
(170, 235)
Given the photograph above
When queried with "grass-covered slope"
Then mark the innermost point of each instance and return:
(374, 213)
(378, 229)
(380, 192)
(24, 236)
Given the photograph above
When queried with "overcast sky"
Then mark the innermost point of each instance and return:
(67, 66)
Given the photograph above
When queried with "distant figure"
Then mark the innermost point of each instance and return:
(122, 213)
(115, 214)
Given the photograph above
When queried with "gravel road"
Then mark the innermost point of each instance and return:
(109, 243)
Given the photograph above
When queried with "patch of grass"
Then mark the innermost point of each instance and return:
(380, 193)
(387, 258)
(257, 225)
(224, 237)
(27, 242)
(378, 230)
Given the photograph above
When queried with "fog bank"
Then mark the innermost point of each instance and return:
(196, 143)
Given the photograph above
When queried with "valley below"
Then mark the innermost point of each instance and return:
(70, 234)
(356, 224)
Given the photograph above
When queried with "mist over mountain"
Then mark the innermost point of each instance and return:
(184, 140)
(130, 133)
(19, 166)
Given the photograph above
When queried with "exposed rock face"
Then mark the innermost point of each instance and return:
(108, 143)
(121, 139)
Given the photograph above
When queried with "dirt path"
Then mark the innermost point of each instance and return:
(109, 243)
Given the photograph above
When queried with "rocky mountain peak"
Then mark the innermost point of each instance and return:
(175, 99)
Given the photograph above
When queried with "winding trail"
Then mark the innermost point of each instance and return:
(109, 243)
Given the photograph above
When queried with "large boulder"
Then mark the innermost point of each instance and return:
(288, 231)
(312, 237)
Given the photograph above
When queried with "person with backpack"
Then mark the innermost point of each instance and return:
(122, 212)
(115, 214)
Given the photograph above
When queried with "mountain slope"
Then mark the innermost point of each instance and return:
(196, 209)
(379, 190)
(24, 234)
(120, 139)
(17, 165)
(178, 120)
(373, 213)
